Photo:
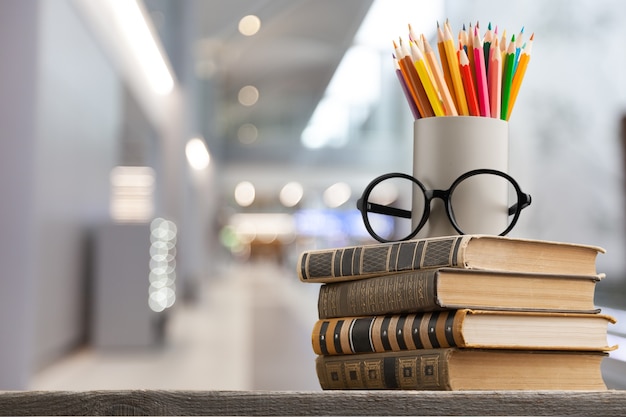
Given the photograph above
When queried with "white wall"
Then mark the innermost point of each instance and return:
(17, 143)
(79, 103)
(62, 94)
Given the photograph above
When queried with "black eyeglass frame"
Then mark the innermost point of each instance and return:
(523, 201)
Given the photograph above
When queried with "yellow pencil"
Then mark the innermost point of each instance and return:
(455, 73)
(519, 74)
(427, 82)
(444, 64)
(446, 98)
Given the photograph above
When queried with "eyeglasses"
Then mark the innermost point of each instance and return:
(389, 202)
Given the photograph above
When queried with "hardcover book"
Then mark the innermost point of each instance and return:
(437, 289)
(451, 369)
(464, 251)
(462, 328)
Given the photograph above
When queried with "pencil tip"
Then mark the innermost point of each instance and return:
(532, 36)
(489, 26)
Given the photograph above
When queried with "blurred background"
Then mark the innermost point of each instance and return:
(163, 163)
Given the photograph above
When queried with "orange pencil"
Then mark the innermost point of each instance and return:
(495, 78)
(446, 98)
(468, 82)
(453, 63)
(423, 104)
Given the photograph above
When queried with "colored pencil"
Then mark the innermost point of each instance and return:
(518, 77)
(507, 78)
(444, 64)
(468, 83)
(478, 76)
(405, 89)
(487, 45)
(518, 47)
(427, 81)
(482, 90)
(444, 91)
(453, 63)
(422, 102)
(495, 79)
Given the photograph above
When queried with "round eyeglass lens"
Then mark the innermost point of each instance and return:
(390, 208)
(480, 204)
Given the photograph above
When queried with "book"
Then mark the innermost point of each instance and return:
(463, 251)
(453, 369)
(446, 288)
(462, 328)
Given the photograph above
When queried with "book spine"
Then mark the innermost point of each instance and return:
(390, 333)
(414, 370)
(408, 292)
(338, 264)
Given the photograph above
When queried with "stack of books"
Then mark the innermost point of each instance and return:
(471, 312)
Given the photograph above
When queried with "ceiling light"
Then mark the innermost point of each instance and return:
(291, 194)
(244, 193)
(144, 46)
(197, 154)
(337, 194)
(249, 25)
(247, 133)
(248, 95)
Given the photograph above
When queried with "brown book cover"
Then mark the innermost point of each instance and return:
(436, 289)
(453, 369)
(462, 328)
(463, 251)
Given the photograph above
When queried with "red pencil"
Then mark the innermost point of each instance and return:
(468, 83)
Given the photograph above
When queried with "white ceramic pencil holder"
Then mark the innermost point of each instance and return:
(446, 148)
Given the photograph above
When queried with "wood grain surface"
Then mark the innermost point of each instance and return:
(278, 403)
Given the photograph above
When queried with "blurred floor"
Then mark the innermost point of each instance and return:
(249, 330)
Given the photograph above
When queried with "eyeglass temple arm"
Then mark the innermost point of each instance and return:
(380, 209)
(524, 201)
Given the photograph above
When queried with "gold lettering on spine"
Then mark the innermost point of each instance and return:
(372, 289)
(421, 292)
